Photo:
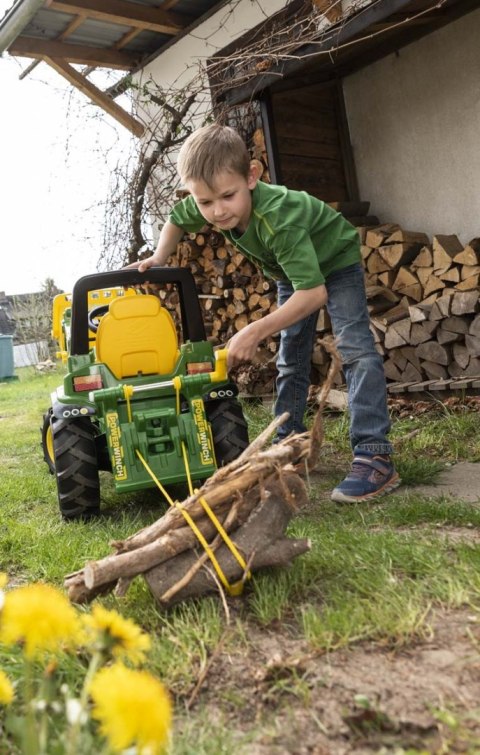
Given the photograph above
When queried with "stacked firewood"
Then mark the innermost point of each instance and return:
(423, 301)
(233, 292)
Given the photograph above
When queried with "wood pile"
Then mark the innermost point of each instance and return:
(423, 302)
(254, 498)
(233, 292)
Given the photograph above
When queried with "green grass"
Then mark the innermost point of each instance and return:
(374, 572)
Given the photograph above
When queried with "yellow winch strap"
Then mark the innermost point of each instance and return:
(128, 393)
(237, 587)
(234, 589)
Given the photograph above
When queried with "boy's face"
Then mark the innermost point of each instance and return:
(228, 204)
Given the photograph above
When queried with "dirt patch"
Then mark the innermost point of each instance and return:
(366, 699)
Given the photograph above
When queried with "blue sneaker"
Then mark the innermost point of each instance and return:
(370, 477)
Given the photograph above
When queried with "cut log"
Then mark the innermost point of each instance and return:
(461, 355)
(451, 276)
(376, 236)
(411, 375)
(469, 284)
(422, 331)
(397, 255)
(473, 345)
(444, 250)
(432, 284)
(474, 326)
(398, 333)
(376, 263)
(419, 312)
(431, 351)
(407, 237)
(457, 324)
(471, 370)
(392, 372)
(434, 371)
(408, 352)
(464, 302)
(447, 336)
(404, 278)
(424, 258)
(470, 255)
(441, 308)
(466, 271)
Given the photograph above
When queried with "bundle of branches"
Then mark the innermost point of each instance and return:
(253, 498)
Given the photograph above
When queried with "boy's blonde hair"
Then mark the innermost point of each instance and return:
(211, 150)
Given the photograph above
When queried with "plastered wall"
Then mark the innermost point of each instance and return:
(178, 65)
(414, 121)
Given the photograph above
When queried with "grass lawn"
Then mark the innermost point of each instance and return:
(313, 659)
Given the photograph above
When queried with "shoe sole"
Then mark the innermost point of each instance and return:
(340, 497)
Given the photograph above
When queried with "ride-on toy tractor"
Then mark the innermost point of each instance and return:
(136, 400)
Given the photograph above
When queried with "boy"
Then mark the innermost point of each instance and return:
(313, 253)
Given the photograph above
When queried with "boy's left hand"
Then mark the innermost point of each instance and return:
(242, 347)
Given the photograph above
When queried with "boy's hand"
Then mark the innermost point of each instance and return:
(142, 266)
(243, 346)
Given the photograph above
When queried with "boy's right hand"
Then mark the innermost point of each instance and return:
(141, 265)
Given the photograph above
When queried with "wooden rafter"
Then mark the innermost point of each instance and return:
(31, 47)
(123, 12)
(96, 95)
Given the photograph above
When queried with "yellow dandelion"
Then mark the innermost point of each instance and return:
(132, 707)
(3, 582)
(120, 637)
(40, 618)
(6, 689)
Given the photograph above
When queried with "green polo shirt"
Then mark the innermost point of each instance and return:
(291, 235)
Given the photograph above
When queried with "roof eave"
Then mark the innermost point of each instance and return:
(15, 20)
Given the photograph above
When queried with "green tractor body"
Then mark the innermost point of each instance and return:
(135, 401)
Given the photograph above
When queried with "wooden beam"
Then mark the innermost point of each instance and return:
(124, 13)
(96, 95)
(31, 47)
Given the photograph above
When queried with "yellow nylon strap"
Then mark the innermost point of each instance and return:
(235, 588)
(128, 393)
(231, 589)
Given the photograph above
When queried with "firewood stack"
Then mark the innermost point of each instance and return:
(423, 302)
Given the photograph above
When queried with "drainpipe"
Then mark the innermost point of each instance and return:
(15, 20)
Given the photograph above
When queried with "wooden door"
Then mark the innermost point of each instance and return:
(312, 149)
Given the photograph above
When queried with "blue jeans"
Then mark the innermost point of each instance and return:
(362, 364)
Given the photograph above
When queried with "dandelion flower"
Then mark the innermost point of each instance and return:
(121, 637)
(40, 618)
(132, 707)
(6, 689)
(3, 582)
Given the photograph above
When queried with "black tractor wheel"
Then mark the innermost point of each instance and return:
(47, 442)
(229, 429)
(76, 467)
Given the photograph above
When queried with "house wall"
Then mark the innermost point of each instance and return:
(178, 65)
(413, 120)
